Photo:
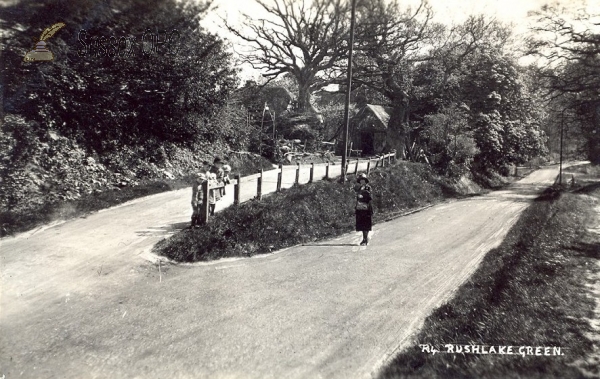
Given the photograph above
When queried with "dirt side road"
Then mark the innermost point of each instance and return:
(78, 300)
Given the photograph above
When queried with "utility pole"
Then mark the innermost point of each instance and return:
(262, 120)
(348, 90)
(274, 125)
(562, 127)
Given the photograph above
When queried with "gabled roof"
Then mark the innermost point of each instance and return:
(382, 113)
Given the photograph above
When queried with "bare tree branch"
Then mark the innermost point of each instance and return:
(303, 40)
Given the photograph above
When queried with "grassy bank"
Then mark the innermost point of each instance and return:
(304, 214)
(12, 222)
(530, 291)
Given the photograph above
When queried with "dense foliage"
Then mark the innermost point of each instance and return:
(456, 91)
(137, 95)
(136, 89)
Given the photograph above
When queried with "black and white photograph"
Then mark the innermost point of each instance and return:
(298, 189)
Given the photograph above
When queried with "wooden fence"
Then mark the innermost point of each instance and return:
(239, 182)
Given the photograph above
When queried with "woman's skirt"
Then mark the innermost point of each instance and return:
(363, 220)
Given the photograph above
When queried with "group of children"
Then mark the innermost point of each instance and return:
(216, 174)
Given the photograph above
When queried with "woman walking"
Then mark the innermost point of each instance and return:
(363, 207)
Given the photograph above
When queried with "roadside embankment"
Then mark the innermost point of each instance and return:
(532, 291)
(305, 214)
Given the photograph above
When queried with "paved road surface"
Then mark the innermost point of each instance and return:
(79, 301)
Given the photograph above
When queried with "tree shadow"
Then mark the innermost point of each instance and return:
(164, 230)
(588, 188)
(587, 249)
(330, 244)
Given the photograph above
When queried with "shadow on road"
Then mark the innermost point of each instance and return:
(589, 188)
(329, 244)
(518, 192)
(165, 230)
(587, 249)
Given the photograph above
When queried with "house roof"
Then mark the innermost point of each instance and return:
(381, 113)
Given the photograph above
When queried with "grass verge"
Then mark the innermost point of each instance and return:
(304, 214)
(530, 291)
(15, 222)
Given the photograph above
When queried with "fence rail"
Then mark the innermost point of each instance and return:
(256, 185)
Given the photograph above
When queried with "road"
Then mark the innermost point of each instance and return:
(81, 300)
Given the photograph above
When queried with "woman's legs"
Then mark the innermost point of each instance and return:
(365, 237)
(363, 221)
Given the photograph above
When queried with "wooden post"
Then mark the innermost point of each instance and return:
(259, 185)
(327, 171)
(382, 161)
(312, 173)
(297, 181)
(236, 189)
(389, 159)
(204, 207)
(279, 177)
(369, 167)
(356, 167)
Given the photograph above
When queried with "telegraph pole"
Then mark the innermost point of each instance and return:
(562, 127)
(348, 89)
(262, 121)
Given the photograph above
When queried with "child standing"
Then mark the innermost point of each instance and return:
(197, 197)
(226, 180)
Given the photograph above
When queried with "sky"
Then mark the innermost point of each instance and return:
(445, 10)
(513, 12)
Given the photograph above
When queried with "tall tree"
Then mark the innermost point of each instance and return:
(299, 38)
(568, 45)
(504, 113)
(414, 62)
(390, 41)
